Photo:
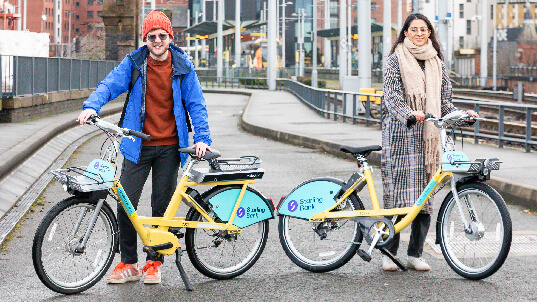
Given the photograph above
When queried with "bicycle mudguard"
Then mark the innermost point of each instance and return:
(253, 208)
(311, 197)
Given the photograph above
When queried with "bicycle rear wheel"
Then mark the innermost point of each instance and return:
(480, 250)
(325, 246)
(57, 262)
(220, 255)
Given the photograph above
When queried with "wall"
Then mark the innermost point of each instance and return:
(20, 109)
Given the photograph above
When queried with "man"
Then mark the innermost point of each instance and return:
(166, 85)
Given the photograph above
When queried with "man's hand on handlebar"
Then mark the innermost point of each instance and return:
(201, 148)
(85, 115)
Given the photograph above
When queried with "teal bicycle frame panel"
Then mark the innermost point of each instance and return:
(450, 157)
(252, 209)
(310, 199)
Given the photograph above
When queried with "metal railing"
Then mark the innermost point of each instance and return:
(228, 82)
(21, 76)
(338, 104)
(348, 106)
(523, 71)
(474, 81)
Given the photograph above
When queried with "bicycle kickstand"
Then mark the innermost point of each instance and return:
(184, 276)
(393, 258)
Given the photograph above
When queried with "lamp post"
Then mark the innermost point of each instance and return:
(484, 53)
(220, 42)
(283, 5)
(327, 51)
(343, 44)
(271, 44)
(203, 19)
(187, 35)
(314, 53)
(70, 13)
(386, 32)
(237, 36)
(43, 18)
(196, 57)
(301, 16)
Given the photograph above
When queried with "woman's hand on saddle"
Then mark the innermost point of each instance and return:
(201, 148)
(420, 116)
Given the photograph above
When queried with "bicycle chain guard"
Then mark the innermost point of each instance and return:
(369, 227)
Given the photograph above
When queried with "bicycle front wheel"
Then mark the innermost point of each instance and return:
(479, 249)
(59, 260)
(220, 255)
(325, 246)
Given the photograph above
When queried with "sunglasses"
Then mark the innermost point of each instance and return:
(162, 37)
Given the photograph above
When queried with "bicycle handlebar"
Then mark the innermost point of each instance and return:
(111, 128)
(141, 135)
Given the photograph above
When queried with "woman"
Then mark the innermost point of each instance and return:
(415, 82)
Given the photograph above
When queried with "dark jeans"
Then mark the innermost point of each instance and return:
(418, 234)
(165, 162)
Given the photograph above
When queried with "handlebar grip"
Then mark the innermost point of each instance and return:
(92, 119)
(141, 135)
(429, 115)
(411, 121)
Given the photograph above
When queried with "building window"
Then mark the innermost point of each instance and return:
(373, 6)
(77, 4)
(461, 42)
(90, 2)
(76, 30)
(99, 2)
(99, 13)
(491, 12)
(90, 27)
(77, 17)
(468, 27)
(461, 10)
(90, 14)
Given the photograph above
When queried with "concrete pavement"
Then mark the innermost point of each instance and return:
(278, 115)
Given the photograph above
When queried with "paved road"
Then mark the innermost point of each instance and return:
(274, 277)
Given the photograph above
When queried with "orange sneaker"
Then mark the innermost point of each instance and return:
(124, 273)
(152, 272)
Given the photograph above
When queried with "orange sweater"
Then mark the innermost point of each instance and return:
(159, 117)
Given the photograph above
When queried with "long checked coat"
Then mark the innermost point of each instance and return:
(403, 164)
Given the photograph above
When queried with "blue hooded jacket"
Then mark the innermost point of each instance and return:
(187, 89)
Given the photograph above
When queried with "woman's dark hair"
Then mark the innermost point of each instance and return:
(432, 36)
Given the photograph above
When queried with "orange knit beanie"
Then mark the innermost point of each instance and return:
(155, 20)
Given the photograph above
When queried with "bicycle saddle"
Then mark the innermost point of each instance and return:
(364, 151)
(208, 154)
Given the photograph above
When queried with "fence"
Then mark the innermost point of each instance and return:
(349, 106)
(34, 75)
(472, 82)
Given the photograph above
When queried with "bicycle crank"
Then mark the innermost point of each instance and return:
(378, 231)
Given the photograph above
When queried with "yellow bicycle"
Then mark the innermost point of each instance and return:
(225, 229)
(323, 221)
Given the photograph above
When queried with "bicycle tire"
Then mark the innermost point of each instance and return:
(56, 263)
(475, 255)
(311, 253)
(206, 248)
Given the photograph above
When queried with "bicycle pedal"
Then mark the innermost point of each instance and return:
(364, 255)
